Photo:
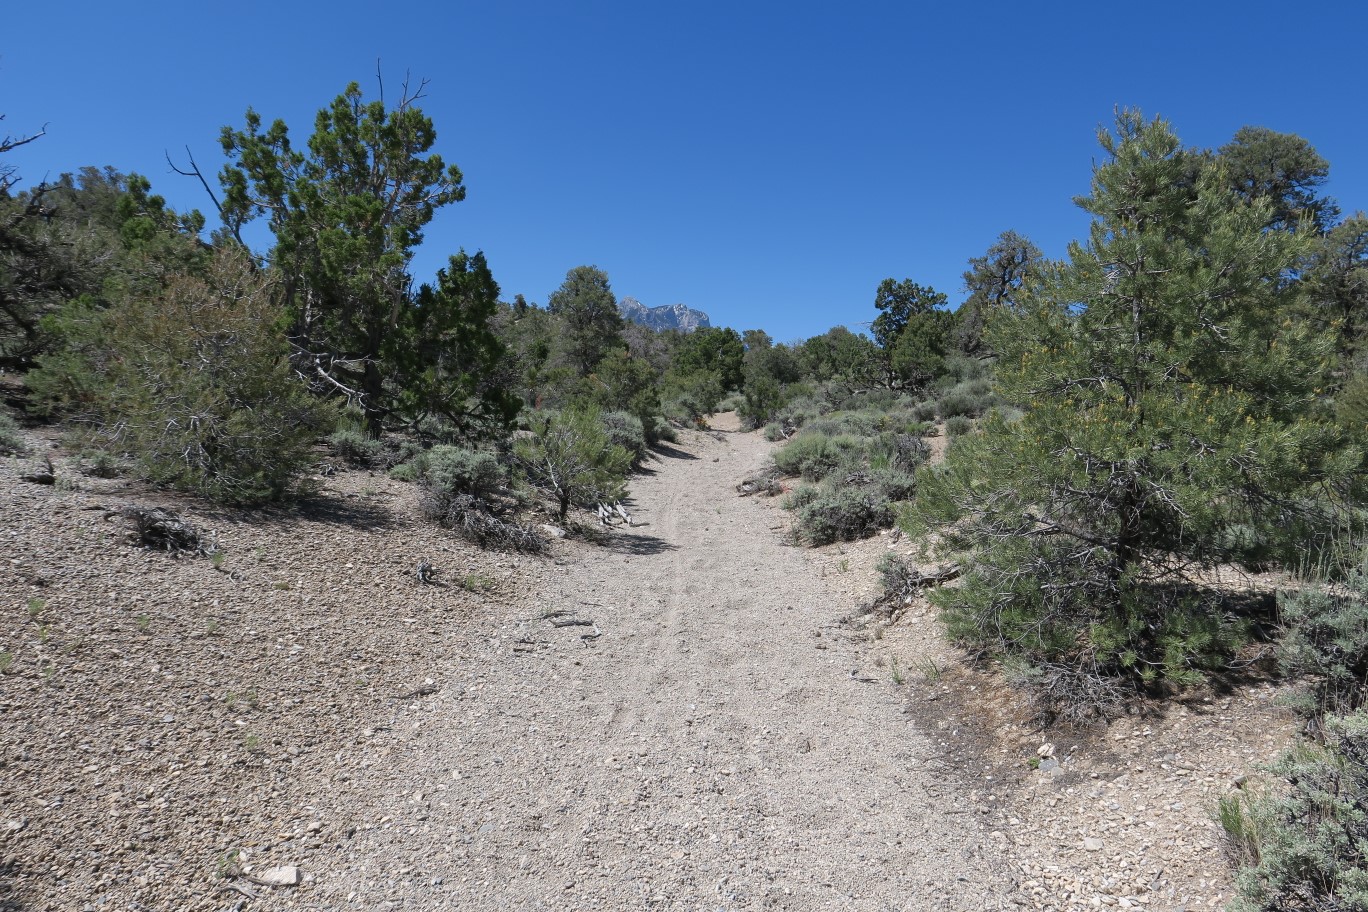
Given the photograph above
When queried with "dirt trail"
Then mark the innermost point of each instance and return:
(709, 750)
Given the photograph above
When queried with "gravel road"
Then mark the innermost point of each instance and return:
(700, 744)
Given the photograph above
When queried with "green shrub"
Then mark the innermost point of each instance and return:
(970, 398)
(193, 380)
(924, 411)
(626, 430)
(732, 403)
(101, 464)
(353, 445)
(11, 440)
(774, 432)
(1307, 849)
(798, 412)
(909, 452)
(859, 424)
(814, 455)
(958, 426)
(404, 471)
(894, 485)
(400, 450)
(455, 470)
(801, 496)
(665, 431)
(959, 368)
(572, 459)
(1327, 642)
(846, 515)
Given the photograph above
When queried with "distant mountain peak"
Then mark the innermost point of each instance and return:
(666, 316)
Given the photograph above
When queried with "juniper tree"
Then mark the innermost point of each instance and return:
(912, 330)
(1171, 424)
(588, 309)
(993, 282)
(347, 211)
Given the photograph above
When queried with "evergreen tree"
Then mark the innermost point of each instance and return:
(446, 357)
(347, 213)
(587, 308)
(912, 330)
(994, 281)
(1170, 425)
(1283, 169)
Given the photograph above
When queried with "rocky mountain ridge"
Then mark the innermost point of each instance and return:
(666, 316)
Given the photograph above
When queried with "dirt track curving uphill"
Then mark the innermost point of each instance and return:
(708, 749)
(175, 734)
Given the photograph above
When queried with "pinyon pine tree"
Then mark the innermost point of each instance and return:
(1171, 424)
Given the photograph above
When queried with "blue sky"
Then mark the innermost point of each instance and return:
(768, 163)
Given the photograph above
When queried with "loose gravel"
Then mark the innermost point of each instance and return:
(668, 716)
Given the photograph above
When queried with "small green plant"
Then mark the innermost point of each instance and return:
(212, 628)
(931, 671)
(35, 608)
(217, 559)
(1033, 762)
(845, 566)
(1327, 642)
(1240, 828)
(476, 582)
(351, 443)
(252, 742)
(6, 661)
(228, 863)
(144, 623)
(101, 464)
(282, 585)
(846, 515)
(896, 671)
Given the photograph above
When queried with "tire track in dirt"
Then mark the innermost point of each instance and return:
(709, 751)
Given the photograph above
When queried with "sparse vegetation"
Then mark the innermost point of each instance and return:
(11, 438)
(573, 459)
(1307, 847)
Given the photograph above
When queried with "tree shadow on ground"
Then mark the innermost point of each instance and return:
(669, 452)
(636, 543)
(334, 510)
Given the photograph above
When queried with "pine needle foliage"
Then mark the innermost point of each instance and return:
(1172, 423)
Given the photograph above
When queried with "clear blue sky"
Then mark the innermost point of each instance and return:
(768, 163)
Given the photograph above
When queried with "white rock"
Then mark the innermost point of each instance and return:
(283, 876)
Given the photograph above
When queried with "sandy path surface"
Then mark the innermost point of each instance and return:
(709, 750)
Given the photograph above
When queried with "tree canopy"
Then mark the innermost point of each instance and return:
(347, 211)
(1173, 421)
